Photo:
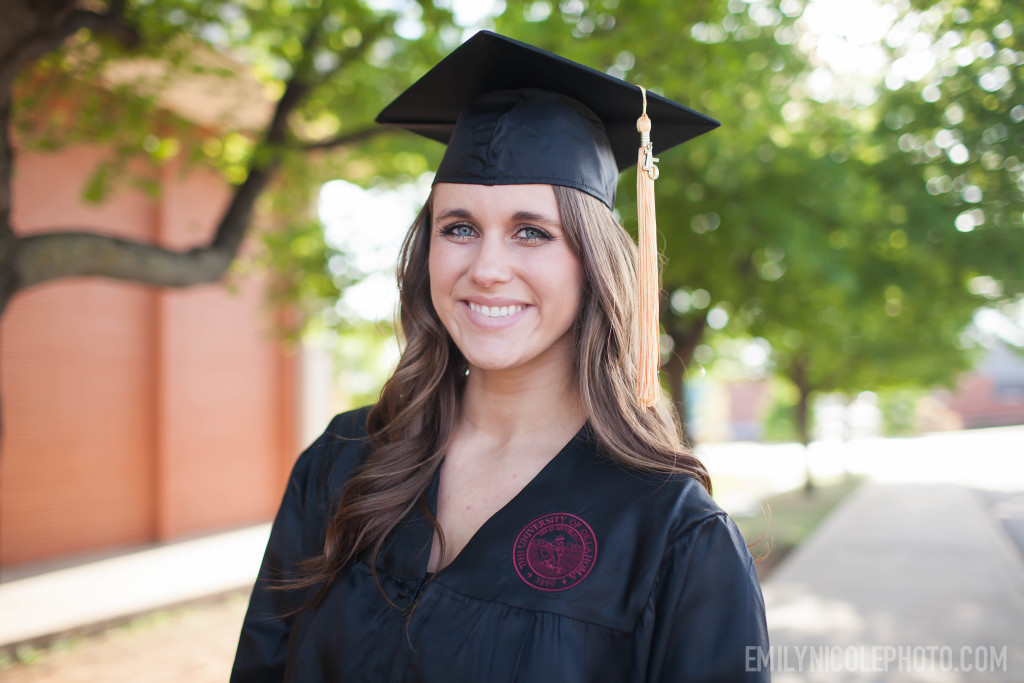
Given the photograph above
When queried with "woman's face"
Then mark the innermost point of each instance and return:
(503, 279)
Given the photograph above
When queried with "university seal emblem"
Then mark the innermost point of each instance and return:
(555, 552)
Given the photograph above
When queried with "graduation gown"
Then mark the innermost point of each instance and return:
(591, 573)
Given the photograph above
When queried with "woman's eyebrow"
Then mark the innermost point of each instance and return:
(532, 216)
(453, 213)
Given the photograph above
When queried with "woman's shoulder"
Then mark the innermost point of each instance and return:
(695, 508)
(695, 526)
(676, 501)
(327, 463)
(347, 426)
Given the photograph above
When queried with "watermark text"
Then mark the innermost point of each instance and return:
(876, 658)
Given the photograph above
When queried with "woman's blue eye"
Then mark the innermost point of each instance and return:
(531, 234)
(459, 230)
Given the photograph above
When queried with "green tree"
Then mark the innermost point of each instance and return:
(332, 64)
(936, 233)
(874, 306)
(806, 220)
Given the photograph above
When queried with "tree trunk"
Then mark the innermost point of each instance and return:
(798, 375)
(675, 371)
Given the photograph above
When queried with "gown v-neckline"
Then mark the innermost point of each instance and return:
(496, 517)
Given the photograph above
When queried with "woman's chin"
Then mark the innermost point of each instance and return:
(491, 364)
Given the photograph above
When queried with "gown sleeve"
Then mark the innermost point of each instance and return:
(707, 609)
(296, 534)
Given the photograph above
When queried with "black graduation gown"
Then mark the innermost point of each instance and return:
(591, 573)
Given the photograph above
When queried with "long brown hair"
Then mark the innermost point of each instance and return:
(410, 426)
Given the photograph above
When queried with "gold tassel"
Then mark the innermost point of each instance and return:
(648, 387)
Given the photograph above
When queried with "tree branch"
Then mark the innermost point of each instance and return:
(44, 257)
(111, 24)
(345, 139)
(6, 178)
(38, 43)
(8, 240)
(235, 221)
(265, 159)
(50, 256)
(295, 91)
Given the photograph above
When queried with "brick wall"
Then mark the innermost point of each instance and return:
(133, 414)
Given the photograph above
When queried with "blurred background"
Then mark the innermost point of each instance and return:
(198, 229)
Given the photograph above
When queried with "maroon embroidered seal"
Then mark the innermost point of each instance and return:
(555, 552)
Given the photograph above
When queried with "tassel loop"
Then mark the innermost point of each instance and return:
(648, 386)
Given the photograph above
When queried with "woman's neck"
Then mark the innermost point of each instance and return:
(517, 405)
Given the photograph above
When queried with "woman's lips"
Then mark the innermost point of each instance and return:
(483, 316)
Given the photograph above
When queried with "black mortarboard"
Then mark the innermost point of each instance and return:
(513, 114)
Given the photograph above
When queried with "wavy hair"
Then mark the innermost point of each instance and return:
(411, 424)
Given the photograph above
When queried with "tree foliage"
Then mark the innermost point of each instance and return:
(935, 230)
(101, 75)
(957, 121)
(834, 227)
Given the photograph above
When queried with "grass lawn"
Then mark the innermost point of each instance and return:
(787, 518)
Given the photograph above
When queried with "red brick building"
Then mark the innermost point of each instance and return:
(992, 395)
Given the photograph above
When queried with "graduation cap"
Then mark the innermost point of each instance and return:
(513, 114)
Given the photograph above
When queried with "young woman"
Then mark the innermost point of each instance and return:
(510, 509)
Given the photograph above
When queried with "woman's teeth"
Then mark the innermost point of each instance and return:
(495, 311)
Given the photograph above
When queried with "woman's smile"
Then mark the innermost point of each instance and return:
(494, 311)
(495, 317)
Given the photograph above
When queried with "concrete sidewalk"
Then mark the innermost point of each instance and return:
(902, 582)
(36, 608)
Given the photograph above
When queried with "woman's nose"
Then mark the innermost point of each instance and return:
(491, 263)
